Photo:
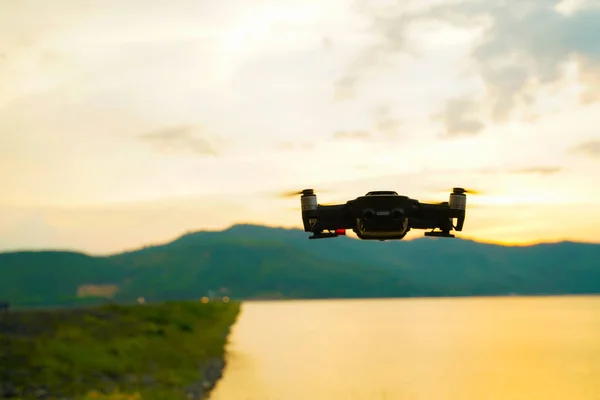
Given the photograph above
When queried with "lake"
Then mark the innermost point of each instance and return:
(492, 348)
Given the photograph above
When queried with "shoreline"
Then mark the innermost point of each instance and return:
(50, 308)
(507, 295)
(214, 368)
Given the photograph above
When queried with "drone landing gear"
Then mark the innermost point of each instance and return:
(445, 234)
(321, 235)
(330, 234)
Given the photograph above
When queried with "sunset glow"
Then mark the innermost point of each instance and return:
(129, 123)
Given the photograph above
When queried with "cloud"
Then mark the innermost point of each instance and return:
(459, 117)
(523, 48)
(590, 148)
(384, 122)
(182, 138)
(538, 170)
(534, 170)
(351, 135)
(527, 46)
(327, 43)
(289, 145)
(391, 37)
(387, 124)
(384, 126)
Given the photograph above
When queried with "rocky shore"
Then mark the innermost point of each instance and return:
(211, 372)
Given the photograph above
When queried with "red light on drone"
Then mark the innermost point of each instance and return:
(340, 232)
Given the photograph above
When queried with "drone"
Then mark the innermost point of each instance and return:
(383, 215)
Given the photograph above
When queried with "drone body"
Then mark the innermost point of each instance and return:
(382, 215)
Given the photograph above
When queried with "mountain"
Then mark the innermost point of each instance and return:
(249, 261)
(39, 277)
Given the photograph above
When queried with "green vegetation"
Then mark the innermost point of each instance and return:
(249, 261)
(159, 351)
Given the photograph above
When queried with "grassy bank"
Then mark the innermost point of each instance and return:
(156, 351)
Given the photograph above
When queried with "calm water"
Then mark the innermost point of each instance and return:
(513, 348)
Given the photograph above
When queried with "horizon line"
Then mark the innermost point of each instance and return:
(281, 227)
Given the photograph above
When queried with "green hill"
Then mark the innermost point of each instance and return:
(36, 277)
(249, 261)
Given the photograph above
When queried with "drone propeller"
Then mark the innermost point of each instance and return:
(467, 191)
(295, 193)
(455, 190)
(459, 190)
(291, 193)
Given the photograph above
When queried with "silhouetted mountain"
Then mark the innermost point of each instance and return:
(248, 261)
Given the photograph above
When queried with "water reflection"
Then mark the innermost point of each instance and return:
(422, 349)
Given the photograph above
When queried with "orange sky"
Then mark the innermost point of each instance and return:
(130, 123)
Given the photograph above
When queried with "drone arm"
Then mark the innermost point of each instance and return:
(327, 218)
(431, 216)
(460, 221)
(419, 223)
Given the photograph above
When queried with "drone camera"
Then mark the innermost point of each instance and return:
(368, 214)
(397, 214)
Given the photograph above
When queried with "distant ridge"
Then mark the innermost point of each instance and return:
(251, 261)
